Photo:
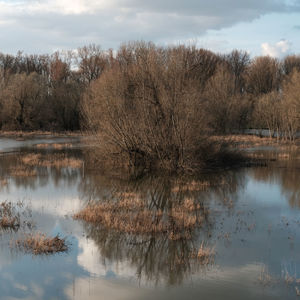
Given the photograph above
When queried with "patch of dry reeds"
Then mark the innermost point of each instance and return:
(41, 244)
(20, 133)
(191, 186)
(204, 254)
(3, 182)
(31, 159)
(55, 160)
(22, 172)
(289, 278)
(57, 146)
(131, 215)
(246, 141)
(265, 277)
(8, 218)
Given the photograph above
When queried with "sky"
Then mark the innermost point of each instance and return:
(261, 27)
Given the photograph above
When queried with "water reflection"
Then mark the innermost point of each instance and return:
(20, 174)
(286, 177)
(158, 257)
(27, 277)
(249, 216)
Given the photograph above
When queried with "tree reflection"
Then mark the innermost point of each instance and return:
(284, 172)
(156, 256)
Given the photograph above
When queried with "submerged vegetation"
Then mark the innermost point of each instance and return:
(204, 254)
(130, 215)
(164, 230)
(14, 216)
(22, 171)
(163, 227)
(156, 224)
(34, 164)
(52, 160)
(9, 218)
(41, 244)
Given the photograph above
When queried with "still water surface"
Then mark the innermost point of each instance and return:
(253, 225)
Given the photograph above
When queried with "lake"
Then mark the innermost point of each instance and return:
(250, 219)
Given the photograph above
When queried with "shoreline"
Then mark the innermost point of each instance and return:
(243, 141)
(240, 141)
(25, 134)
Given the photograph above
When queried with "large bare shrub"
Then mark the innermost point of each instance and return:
(148, 108)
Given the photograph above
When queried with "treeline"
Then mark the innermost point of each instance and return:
(44, 92)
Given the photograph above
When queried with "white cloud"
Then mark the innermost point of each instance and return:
(65, 7)
(278, 50)
(44, 25)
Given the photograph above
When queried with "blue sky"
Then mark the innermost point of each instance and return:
(270, 27)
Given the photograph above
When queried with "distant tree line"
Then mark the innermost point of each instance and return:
(143, 91)
(44, 92)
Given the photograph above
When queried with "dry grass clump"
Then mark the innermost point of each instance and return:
(55, 160)
(67, 162)
(41, 244)
(8, 218)
(20, 133)
(284, 156)
(289, 278)
(42, 146)
(9, 222)
(23, 172)
(3, 182)
(57, 146)
(31, 159)
(194, 185)
(244, 141)
(265, 277)
(61, 146)
(247, 140)
(131, 215)
(205, 255)
(191, 186)
(58, 161)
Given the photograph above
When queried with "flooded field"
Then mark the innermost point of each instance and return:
(233, 234)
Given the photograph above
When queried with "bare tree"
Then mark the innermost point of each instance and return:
(22, 99)
(238, 62)
(267, 113)
(291, 105)
(264, 75)
(91, 62)
(291, 63)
